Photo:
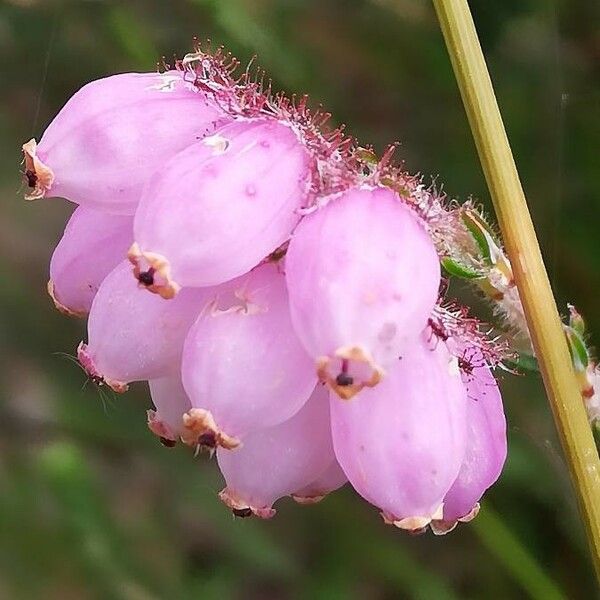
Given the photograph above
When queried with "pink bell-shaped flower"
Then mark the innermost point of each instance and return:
(112, 135)
(243, 366)
(93, 244)
(363, 276)
(486, 447)
(220, 206)
(277, 461)
(402, 443)
(170, 403)
(133, 335)
(330, 480)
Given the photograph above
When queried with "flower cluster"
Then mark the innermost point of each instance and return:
(278, 286)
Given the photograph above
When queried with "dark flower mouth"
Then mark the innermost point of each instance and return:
(39, 176)
(344, 380)
(202, 432)
(348, 371)
(207, 440)
(31, 177)
(153, 271)
(147, 277)
(243, 513)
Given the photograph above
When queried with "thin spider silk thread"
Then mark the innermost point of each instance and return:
(51, 42)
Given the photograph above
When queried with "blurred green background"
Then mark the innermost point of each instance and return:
(91, 506)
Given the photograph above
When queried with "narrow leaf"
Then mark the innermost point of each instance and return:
(456, 269)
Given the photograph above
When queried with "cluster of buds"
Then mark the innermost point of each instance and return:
(278, 286)
(481, 260)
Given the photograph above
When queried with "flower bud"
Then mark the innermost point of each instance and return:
(134, 335)
(402, 443)
(93, 244)
(171, 402)
(576, 321)
(277, 461)
(243, 366)
(485, 450)
(363, 276)
(110, 137)
(220, 206)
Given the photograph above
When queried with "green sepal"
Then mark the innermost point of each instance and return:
(482, 234)
(579, 352)
(456, 269)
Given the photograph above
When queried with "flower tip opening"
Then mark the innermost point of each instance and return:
(38, 176)
(79, 314)
(200, 430)
(153, 272)
(306, 500)
(349, 371)
(441, 527)
(414, 525)
(160, 429)
(87, 362)
(242, 509)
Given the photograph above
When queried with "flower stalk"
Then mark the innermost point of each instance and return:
(524, 253)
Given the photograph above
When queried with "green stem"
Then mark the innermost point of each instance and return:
(517, 560)
(524, 253)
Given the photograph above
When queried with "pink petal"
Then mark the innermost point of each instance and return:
(330, 480)
(170, 402)
(243, 366)
(133, 335)
(486, 448)
(363, 276)
(277, 461)
(93, 244)
(402, 443)
(221, 206)
(112, 135)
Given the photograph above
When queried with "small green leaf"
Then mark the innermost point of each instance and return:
(579, 352)
(482, 234)
(456, 269)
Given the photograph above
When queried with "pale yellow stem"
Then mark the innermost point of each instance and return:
(524, 253)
